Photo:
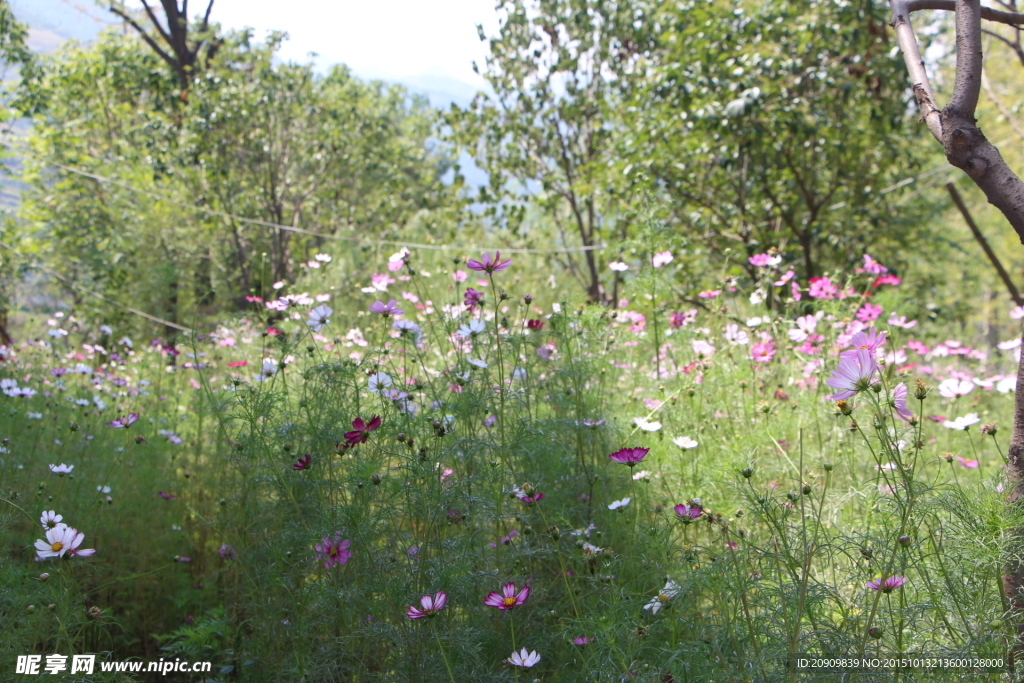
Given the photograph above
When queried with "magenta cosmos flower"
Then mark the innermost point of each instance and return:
(889, 585)
(386, 309)
(487, 264)
(59, 540)
(688, 512)
(853, 374)
(361, 430)
(508, 598)
(473, 299)
(582, 640)
(429, 606)
(629, 456)
(303, 462)
(124, 422)
(333, 550)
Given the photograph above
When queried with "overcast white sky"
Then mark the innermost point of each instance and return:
(374, 37)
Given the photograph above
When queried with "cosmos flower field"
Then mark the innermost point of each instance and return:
(436, 475)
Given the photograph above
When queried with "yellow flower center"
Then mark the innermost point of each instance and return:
(509, 602)
(662, 597)
(57, 547)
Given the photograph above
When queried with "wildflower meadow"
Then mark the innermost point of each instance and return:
(439, 475)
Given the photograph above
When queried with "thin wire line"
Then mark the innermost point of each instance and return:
(289, 228)
(60, 277)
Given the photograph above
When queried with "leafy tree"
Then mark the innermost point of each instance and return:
(546, 130)
(774, 124)
(184, 201)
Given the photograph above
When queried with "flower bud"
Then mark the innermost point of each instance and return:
(806, 489)
(903, 541)
(989, 430)
(876, 387)
(375, 479)
(844, 407)
(875, 632)
(73, 426)
(747, 472)
(553, 532)
(44, 576)
(828, 467)
(139, 439)
(528, 299)
(30, 609)
(920, 390)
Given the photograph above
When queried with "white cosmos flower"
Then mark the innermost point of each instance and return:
(619, 504)
(645, 425)
(477, 363)
(59, 540)
(61, 469)
(670, 590)
(684, 442)
(963, 422)
(378, 381)
(524, 659)
(475, 326)
(49, 519)
(319, 317)
(1007, 385)
(618, 266)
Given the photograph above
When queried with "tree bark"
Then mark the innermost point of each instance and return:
(967, 148)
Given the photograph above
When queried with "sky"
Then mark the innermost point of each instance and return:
(377, 38)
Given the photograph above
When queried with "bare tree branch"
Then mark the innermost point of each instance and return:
(1011, 18)
(967, 86)
(915, 65)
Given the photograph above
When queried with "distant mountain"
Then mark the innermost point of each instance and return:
(51, 22)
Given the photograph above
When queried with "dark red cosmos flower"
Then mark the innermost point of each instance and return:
(535, 324)
(303, 462)
(361, 430)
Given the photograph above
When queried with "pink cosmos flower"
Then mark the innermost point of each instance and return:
(629, 456)
(762, 260)
(333, 550)
(459, 276)
(487, 264)
(361, 430)
(508, 598)
(888, 585)
(822, 288)
(303, 462)
(124, 422)
(969, 464)
(794, 289)
(386, 309)
(785, 278)
(873, 267)
(763, 352)
(869, 313)
(899, 402)
(853, 374)
(167, 496)
(582, 640)
(226, 552)
(505, 539)
(429, 606)
(688, 512)
(59, 540)
(886, 280)
(869, 339)
(661, 258)
(710, 294)
(593, 423)
(473, 298)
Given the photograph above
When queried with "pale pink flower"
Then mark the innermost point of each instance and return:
(868, 339)
(969, 464)
(710, 294)
(955, 388)
(50, 519)
(899, 402)
(869, 313)
(386, 309)
(662, 258)
(785, 278)
(763, 260)
(508, 598)
(124, 422)
(853, 374)
(762, 352)
(901, 321)
(59, 540)
(822, 288)
(963, 422)
(524, 659)
(582, 640)
(459, 276)
(429, 606)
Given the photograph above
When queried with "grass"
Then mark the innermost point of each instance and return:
(205, 548)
